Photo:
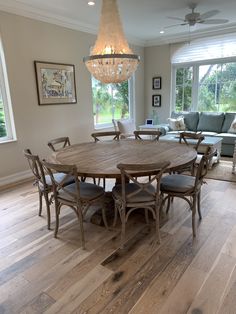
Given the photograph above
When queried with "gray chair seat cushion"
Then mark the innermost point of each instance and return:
(177, 183)
(59, 178)
(142, 196)
(88, 191)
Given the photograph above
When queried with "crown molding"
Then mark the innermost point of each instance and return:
(18, 8)
(37, 14)
(169, 39)
(40, 15)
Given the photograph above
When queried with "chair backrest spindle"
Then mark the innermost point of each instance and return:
(115, 135)
(36, 167)
(62, 141)
(152, 134)
(188, 137)
(135, 172)
(70, 171)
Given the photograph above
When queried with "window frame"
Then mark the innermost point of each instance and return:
(131, 92)
(195, 82)
(6, 98)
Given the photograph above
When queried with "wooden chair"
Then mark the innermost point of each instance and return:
(187, 187)
(147, 135)
(190, 137)
(61, 141)
(114, 134)
(43, 182)
(78, 196)
(138, 193)
(97, 136)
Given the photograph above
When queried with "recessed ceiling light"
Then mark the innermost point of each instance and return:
(91, 3)
(162, 32)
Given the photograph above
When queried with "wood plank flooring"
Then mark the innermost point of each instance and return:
(41, 274)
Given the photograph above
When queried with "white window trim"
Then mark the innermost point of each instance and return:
(7, 104)
(195, 87)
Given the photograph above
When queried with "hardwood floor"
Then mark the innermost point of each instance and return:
(40, 274)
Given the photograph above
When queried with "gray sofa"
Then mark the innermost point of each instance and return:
(210, 124)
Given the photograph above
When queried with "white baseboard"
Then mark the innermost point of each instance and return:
(14, 178)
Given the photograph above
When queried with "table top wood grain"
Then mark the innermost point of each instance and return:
(100, 159)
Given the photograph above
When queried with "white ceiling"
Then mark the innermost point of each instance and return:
(142, 19)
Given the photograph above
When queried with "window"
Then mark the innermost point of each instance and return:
(217, 87)
(110, 101)
(7, 130)
(183, 88)
(212, 89)
(204, 75)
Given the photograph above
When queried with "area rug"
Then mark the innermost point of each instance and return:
(222, 171)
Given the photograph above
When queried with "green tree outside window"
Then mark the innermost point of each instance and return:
(110, 101)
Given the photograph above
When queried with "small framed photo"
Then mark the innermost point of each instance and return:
(156, 82)
(55, 83)
(156, 100)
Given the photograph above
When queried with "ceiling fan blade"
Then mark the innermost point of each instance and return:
(175, 18)
(214, 21)
(175, 25)
(209, 14)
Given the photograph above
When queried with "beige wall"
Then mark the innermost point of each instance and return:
(157, 63)
(25, 40)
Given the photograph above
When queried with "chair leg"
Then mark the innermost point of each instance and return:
(80, 217)
(123, 222)
(193, 216)
(40, 202)
(115, 215)
(104, 217)
(169, 199)
(146, 216)
(48, 209)
(199, 205)
(57, 213)
(158, 224)
(104, 183)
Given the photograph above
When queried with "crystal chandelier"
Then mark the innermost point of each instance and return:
(111, 59)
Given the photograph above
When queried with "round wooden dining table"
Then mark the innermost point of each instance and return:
(99, 160)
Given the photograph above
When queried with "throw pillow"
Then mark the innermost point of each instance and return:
(177, 124)
(126, 126)
(232, 128)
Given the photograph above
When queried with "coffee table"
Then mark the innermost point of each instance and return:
(214, 142)
(163, 128)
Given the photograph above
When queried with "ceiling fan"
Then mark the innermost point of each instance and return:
(195, 17)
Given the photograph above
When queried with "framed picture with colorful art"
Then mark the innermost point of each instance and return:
(55, 83)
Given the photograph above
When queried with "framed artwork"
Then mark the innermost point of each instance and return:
(156, 82)
(156, 100)
(55, 83)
